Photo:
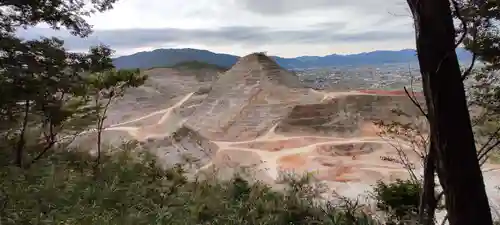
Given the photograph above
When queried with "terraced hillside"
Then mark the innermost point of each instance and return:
(258, 115)
(164, 88)
(347, 115)
(248, 100)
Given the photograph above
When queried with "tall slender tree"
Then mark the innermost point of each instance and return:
(104, 88)
(452, 138)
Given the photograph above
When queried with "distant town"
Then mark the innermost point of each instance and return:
(385, 76)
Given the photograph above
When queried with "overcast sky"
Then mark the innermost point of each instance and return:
(286, 28)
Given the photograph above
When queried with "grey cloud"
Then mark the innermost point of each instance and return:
(252, 36)
(282, 6)
(277, 7)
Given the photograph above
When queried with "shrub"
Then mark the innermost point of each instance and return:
(131, 189)
(399, 199)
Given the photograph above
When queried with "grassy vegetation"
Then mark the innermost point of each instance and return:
(62, 189)
(129, 188)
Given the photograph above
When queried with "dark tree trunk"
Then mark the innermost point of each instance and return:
(457, 165)
(22, 142)
(428, 203)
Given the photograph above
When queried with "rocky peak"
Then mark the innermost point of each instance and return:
(260, 67)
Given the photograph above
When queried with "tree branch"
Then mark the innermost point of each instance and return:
(471, 66)
(39, 156)
(100, 124)
(474, 54)
(416, 103)
(486, 148)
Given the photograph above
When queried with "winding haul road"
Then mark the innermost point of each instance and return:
(349, 175)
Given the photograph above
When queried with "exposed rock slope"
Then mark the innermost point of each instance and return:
(257, 115)
(164, 88)
(347, 115)
(248, 100)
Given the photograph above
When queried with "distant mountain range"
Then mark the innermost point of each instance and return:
(170, 57)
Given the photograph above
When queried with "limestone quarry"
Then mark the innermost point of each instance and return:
(258, 116)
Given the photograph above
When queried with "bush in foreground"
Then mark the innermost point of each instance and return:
(63, 189)
(398, 200)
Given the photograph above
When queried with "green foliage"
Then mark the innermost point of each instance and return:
(113, 83)
(61, 189)
(45, 93)
(106, 86)
(66, 13)
(481, 37)
(400, 199)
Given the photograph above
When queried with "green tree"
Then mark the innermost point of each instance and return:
(105, 87)
(43, 95)
(480, 34)
(400, 200)
(43, 85)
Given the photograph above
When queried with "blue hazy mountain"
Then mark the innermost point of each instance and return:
(170, 57)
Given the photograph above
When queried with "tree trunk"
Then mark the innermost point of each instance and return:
(22, 142)
(100, 128)
(428, 203)
(99, 135)
(457, 165)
